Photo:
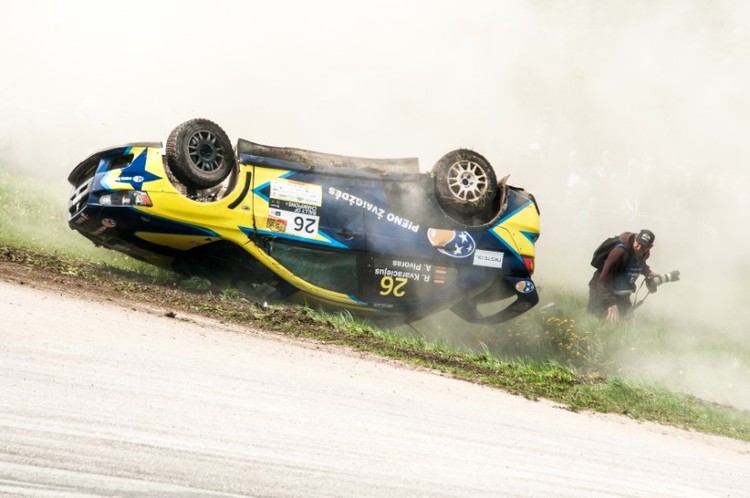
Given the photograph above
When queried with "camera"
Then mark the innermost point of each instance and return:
(672, 276)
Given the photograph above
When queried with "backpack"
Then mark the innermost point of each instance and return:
(601, 252)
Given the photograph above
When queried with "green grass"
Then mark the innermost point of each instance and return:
(33, 216)
(557, 353)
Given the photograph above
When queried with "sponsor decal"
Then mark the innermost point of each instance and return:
(376, 210)
(136, 174)
(453, 243)
(296, 192)
(353, 200)
(277, 224)
(525, 286)
(492, 259)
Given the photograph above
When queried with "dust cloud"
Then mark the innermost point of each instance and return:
(617, 115)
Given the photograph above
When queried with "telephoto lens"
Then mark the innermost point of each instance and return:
(672, 276)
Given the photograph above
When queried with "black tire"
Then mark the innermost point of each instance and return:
(199, 154)
(465, 184)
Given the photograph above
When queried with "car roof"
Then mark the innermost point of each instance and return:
(313, 159)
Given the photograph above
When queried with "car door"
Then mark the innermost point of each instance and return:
(307, 208)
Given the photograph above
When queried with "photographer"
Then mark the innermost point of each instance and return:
(612, 284)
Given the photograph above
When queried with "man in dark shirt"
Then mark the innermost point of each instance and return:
(611, 286)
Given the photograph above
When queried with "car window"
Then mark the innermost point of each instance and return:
(328, 269)
(119, 162)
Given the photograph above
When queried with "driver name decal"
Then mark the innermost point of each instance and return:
(401, 278)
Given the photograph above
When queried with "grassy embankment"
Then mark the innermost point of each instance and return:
(556, 353)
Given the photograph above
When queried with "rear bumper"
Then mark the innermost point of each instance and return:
(526, 298)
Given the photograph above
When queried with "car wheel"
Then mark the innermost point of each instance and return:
(200, 154)
(465, 184)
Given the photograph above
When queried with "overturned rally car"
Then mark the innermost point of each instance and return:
(369, 235)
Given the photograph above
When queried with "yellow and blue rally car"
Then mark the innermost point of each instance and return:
(369, 235)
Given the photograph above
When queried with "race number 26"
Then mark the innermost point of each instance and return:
(392, 286)
(304, 224)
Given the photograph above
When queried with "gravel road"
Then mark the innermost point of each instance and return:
(101, 400)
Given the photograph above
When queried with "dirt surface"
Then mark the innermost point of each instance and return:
(104, 394)
(130, 289)
(104, 284)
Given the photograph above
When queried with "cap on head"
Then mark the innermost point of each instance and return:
(645, 238)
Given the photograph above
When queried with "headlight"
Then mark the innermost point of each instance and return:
(126, 198)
